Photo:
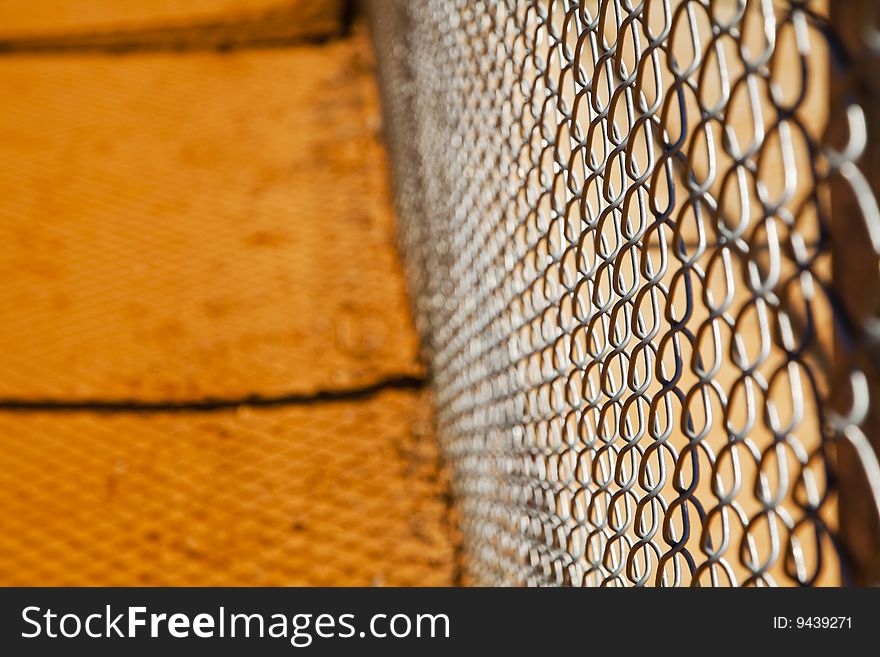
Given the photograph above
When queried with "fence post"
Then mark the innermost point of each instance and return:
(855, 78)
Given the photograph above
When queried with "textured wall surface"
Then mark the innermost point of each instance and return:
(30, 18)
(182, 227)
(332, 494)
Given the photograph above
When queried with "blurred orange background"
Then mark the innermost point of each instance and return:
(208, 371)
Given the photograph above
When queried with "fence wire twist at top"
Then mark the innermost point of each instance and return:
(617, 223)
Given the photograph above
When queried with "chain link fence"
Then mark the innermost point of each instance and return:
(641, 239)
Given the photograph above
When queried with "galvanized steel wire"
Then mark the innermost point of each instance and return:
(616, 217)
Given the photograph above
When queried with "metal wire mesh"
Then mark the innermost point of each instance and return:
(617, 221)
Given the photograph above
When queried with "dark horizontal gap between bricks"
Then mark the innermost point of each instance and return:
(397, 382)
(269, 30)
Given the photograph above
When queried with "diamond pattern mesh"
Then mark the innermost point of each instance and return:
(617, 222)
